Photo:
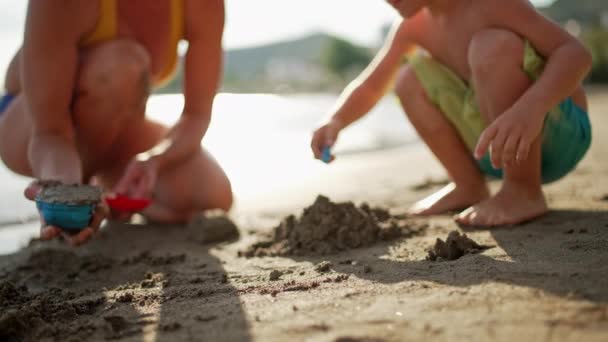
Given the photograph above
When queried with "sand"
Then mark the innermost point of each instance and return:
(544, 280)
(70, 194)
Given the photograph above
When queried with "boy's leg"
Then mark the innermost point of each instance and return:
(442, 138)
(495, 58)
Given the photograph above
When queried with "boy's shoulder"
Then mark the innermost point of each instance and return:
(490, 10)
(509, 10)
(499, 5)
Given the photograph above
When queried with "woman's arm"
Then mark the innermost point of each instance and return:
(11, 80)
(50, 59)
(48, 71)
(203, 70)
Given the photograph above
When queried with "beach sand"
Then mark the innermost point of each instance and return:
(545, 280)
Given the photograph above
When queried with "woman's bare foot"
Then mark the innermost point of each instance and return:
(511, 205)
(450, 198)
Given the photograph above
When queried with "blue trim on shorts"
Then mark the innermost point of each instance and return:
(565, 141)
(5, 101)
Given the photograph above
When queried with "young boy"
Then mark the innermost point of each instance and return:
(77, 93)
(497, 81)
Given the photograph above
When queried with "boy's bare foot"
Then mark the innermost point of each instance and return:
(512, 205)
(450, 198)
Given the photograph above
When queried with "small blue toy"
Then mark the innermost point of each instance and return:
(69, 207)
(68, 217)
(326, 154)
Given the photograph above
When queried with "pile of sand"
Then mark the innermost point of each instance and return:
(454, 247)
(327, 228)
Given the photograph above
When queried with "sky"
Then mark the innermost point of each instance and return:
(254, 22)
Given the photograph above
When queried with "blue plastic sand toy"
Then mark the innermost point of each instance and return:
(326, 154)
(69, 217)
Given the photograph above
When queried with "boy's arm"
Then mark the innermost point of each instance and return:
(568, 63)
(50, 59)
(203, 69)
(366, 90)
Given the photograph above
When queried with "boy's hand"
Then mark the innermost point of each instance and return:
(324, 136)
(48, 232)
(139, 179)
(509, 138)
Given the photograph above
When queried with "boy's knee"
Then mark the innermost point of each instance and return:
(116, 72)
(492, 48)
(407, 85)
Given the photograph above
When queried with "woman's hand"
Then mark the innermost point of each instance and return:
(48, 232)
(139, 179)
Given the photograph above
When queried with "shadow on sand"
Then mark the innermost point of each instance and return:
(565, 253)
(133, 283)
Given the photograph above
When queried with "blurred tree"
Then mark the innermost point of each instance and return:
(596, 39)
(344, 59)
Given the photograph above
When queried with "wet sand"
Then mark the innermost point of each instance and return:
(544, 280)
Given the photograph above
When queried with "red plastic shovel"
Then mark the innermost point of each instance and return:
(128, 204)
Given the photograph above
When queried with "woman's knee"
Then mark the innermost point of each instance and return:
(494, 48)
(198, 184)
(115, 76)
(225, 198)
(220, 195)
